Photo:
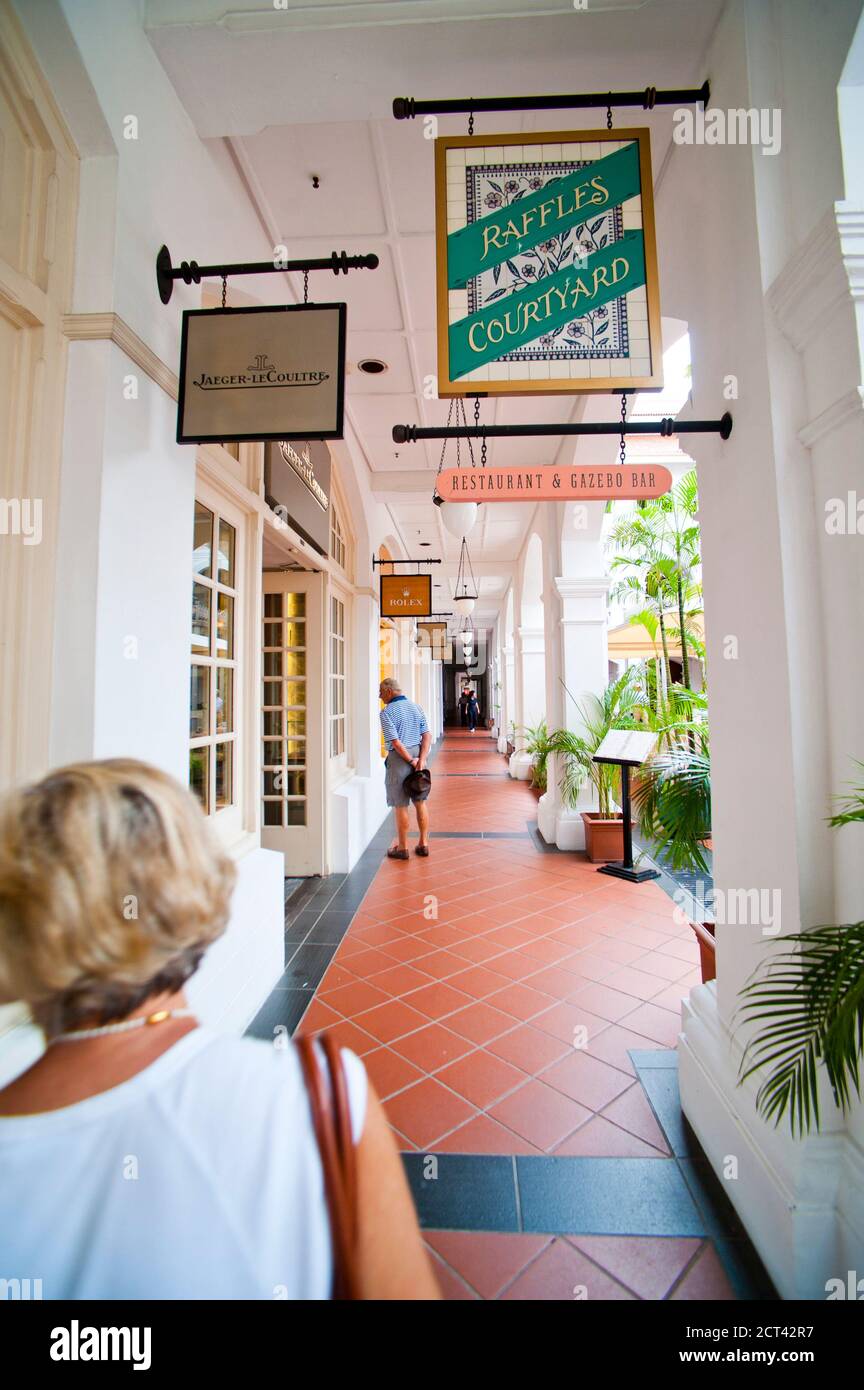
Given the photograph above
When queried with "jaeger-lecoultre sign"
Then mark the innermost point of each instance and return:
(262, 373)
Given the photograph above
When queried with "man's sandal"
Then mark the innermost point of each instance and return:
(397, 854)
(422, 850)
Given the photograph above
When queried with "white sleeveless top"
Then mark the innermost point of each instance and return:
(197, 1178)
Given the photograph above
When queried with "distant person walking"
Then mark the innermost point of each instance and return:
(473, 711)
(463, 706)
(406, 734)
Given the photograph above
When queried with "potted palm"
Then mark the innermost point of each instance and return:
(536, 743)
(619, 707)
(809, 1002)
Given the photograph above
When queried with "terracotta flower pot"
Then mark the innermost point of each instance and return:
(707, 949)
(604, 838)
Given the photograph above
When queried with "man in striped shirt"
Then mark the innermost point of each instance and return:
(408, 740)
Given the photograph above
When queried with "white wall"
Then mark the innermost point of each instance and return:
(121, 642)
(734, 223)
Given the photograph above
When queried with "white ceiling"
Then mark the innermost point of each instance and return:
(310, 92)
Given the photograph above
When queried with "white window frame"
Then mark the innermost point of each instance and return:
(232, 823)
(341, 762)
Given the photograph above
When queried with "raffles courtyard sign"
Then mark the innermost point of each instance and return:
(546, 264)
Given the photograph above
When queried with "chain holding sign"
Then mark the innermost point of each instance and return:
(547, 264)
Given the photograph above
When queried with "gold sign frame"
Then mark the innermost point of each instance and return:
(395, 602)
(652, 380)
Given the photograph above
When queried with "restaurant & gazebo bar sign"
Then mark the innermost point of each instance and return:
(549, 483)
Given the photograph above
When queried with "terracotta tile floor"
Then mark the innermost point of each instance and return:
(492, 1265)
(493, 991)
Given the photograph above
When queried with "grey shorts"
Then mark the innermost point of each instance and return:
(395, 771)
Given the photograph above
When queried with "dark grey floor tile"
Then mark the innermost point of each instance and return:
(347, 900)
(720, 1217)
(283, 1010)
(306, 967)
(661, 1088)
(659, 1057)
(297, 930)
(606, 1196)
(463, 1192)
(330, 928)
(745, 1271)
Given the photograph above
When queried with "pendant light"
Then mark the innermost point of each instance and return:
(465, 597)
(458, 518)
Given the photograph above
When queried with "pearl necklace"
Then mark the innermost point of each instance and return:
(80, 1034)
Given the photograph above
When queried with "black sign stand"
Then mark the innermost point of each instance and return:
(624, 868)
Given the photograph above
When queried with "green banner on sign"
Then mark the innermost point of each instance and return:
(564, 202)
(570, 293)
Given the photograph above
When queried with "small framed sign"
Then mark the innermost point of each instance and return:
(547, 263)
(262, 373)
(406, 595)
(629, 746)
(434, 636)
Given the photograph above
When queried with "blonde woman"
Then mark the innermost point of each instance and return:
(143, 1156)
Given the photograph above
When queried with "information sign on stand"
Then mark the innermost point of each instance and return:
(626, 748)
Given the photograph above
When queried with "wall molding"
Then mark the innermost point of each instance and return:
(109, 327)
(833, 418)
(812, 287)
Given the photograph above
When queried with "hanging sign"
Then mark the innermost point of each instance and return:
(262, 373)
(547, 265)
(406, 595)
(549, 483)
(297, 487)
(434, 636)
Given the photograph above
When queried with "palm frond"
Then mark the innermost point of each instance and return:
(810, 1002)
(850, 807)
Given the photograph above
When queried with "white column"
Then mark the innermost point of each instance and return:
(508, 680)
(774, 337)
(531, 685)
(584, 669)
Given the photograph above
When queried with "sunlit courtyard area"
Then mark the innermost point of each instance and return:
(431, 753)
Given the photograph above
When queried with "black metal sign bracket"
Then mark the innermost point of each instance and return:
(406, 108)
(410, 434)
(424, 561)
(191, 273)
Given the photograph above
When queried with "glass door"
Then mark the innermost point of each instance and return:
(292, 723)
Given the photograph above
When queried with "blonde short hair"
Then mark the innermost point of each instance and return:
(112, 887)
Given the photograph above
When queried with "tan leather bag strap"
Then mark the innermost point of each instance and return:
(331, 1115)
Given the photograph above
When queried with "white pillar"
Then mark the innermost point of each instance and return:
(773, 330)
(531, 676)
(584, 669)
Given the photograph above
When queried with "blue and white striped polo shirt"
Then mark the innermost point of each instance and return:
(403, 720)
